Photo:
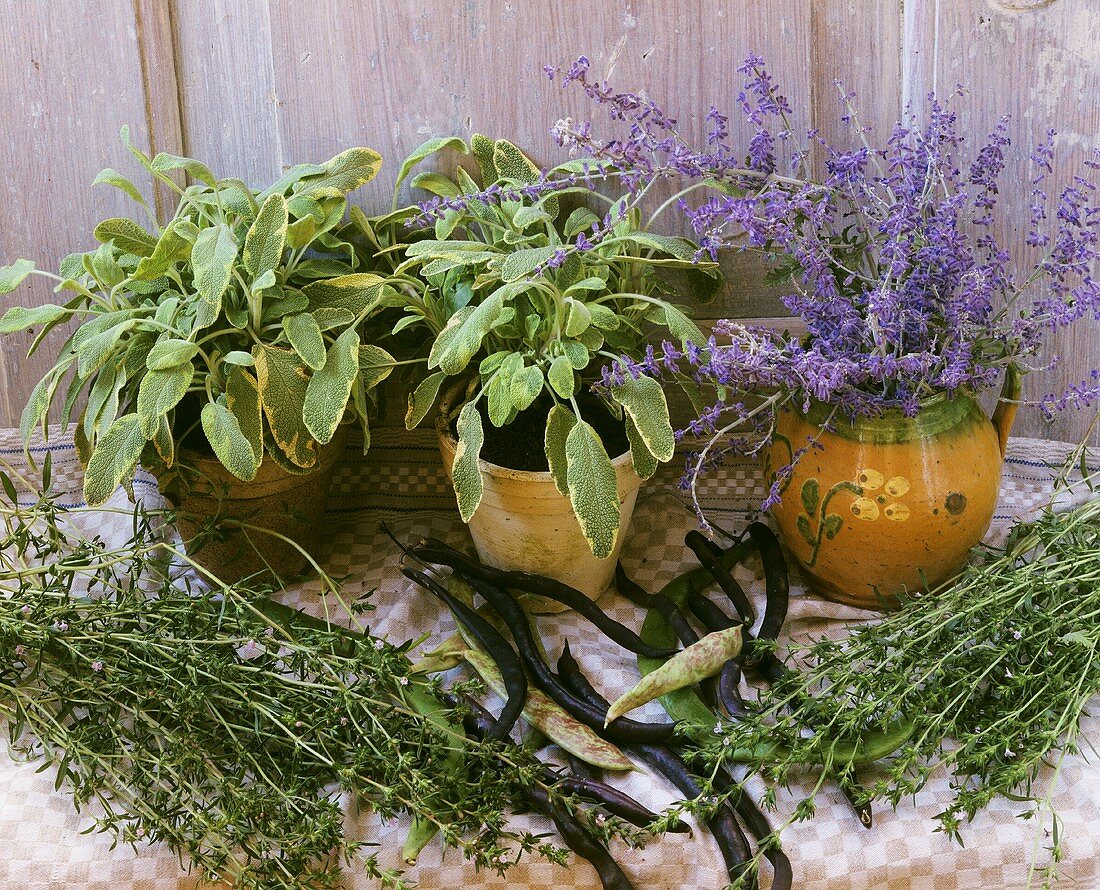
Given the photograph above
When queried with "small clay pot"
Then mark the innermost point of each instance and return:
(281, 508)
(525, 524)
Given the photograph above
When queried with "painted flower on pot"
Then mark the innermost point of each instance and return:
(511, 298)
(243, 310)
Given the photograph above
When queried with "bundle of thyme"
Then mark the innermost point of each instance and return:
(224, 725)
(992, 675)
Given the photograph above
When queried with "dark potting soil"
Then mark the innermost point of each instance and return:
(521, 444)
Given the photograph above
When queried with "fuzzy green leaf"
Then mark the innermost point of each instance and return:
(231, 446)
(593, 488)
(375, 365)
(357, 293)
(166, 163)
(578, 319)
(127, 236)
(108, 176)
(115, 456)
(170, 353)
(559, 423)
(426, 150)
(561, 377)
(328, 390)
(159, 393)
(19, 318)
(483, 149)
(436, 184)
(304, 335)
(12, 276)
(264, 243)
(212, 258)
(644, 402)
(465, 472)
(237, 357)
(580, 220)
(173, 246)
(525, 386)
(523, 262)
(422, 398)
(301, 232)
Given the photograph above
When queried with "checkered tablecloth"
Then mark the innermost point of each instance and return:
(401, 480)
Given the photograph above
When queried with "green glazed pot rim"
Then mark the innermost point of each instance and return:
(936, 414)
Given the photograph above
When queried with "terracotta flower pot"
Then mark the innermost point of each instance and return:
(212, 512)
(525, 524)
(890, 504)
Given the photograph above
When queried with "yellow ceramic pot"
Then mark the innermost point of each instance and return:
(890, 504)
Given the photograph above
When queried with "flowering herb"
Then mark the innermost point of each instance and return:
(228, 726)
(890, 255)
(521, 300)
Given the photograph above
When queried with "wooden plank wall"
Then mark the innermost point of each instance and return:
(251, 86)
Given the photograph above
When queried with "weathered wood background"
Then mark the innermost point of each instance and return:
(251, 86)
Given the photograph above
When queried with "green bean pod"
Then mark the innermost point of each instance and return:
(423, 830)
(686, 668)
(550, 719)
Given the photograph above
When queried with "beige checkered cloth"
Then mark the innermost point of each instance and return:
(402, 481)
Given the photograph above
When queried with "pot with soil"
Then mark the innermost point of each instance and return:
(524, 523)
(257, 529)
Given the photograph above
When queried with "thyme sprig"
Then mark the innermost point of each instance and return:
(211, 719)
(993, 673)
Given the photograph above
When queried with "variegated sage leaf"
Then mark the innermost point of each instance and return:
(562, 379)
(593, 489)
(645, 464)
(283, 380)
(375, 365)
(466, 472)
(356, 293)
(242, 398)
(644, 402)
(460, 340)
(559, 423)
(578, 320)
(525, 386)
(341, 174)
(329, 388)
(422, 398)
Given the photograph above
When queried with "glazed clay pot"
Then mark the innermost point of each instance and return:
(217, 503)
(524, 523)
(890, 504)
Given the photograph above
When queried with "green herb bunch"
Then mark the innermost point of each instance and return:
(225, 725)
(990, 674)
(247, 304)
(513, 304)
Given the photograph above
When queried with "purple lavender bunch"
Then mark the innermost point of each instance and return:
(893, 267)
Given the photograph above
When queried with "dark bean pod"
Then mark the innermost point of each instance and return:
(443, 554)
(579, 768)
(620, 730)
(700, 546)
(732, 843)
(641, 598)
(490, 639)
(613, 800)
(583, 844)
(759, 827)
(851, 791)
(776, 581)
